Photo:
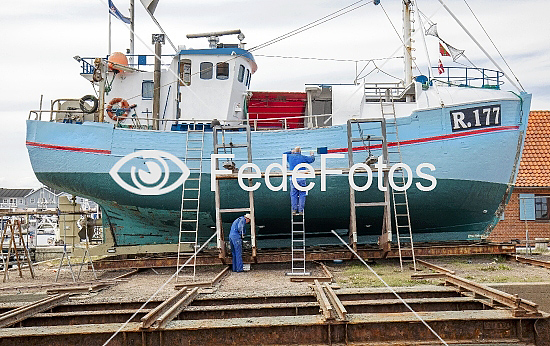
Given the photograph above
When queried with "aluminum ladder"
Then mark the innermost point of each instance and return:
(190, 197)
(298, 244)
(358, 140)
(400, 199)
(224, 147)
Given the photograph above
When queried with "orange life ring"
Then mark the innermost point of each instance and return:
(119, 113)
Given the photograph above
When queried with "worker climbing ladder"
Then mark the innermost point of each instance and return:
(400, 199)
(221, 146)
(363, 136)
(190, 197)
(298, 244)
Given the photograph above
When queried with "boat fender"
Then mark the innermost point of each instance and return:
(119, 113)
(85, 107)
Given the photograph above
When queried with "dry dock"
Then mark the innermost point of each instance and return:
(262, 306)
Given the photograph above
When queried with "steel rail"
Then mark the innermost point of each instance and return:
(519, 306)
(19, 314)
(150, 318)
(532, 261)
(336, 303)
(174, 311)
(324, 303)
(435, 267)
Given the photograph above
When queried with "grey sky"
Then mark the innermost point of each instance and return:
(39, 39)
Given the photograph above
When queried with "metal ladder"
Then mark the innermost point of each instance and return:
(298, 244)
(363, 139)
(190, 195)
(219, 210)
(400, 199)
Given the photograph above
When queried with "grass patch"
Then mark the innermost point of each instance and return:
(358, 275)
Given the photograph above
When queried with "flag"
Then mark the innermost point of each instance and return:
(115, 12)
(440, 67)
(443, 51)
(150, 5)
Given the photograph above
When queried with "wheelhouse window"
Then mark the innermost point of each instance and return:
(222, 70)
(247, 78)
(147, 89)
(240, 77)
(185, 72)
(541, 208)
(207, 69)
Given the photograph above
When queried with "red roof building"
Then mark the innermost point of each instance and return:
(528, 211)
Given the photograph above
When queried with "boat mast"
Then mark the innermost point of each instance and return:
(131, 51)
(407, 41)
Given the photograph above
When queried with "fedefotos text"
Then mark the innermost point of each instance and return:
(306, 171)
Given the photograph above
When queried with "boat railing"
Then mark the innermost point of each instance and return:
(147, 123)
(139, 62)
(285, 123)
(376, 91)
(71, 114)
(473, 77)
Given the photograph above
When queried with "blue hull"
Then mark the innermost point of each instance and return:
(474, 169)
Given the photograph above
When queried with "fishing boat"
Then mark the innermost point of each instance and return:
(136, 147)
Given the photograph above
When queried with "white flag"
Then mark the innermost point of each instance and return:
(150, 5)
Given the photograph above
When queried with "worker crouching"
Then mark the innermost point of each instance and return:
(236, 236)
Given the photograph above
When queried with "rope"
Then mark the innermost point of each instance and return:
(391, 289)
(494, 45)
(158, 290)
(313, 24)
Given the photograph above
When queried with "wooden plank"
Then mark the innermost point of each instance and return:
(311, 279)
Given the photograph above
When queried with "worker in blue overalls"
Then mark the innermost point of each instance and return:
(297, 197)
(236, 236)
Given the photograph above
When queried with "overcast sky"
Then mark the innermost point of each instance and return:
(39, 39)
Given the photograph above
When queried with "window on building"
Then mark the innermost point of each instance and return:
(21, 201)
(32, 200)
(207, 69)
(240, 76)
(13, 201)
(532, 207)
(541, 208)
(185, 72)
(222, 70)
(147, 89)
(5, 200)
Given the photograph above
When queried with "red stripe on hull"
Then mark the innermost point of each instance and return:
(62, 147)
(429, 139)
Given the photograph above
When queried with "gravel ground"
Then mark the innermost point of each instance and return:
(271, 278)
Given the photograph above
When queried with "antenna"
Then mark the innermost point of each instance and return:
(213, 37)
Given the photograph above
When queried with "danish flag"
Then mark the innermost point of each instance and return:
(440, 67)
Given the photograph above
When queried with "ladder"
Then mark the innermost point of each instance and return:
(190, 196)
(223, 146)
(12, 227)
(400, 199)
(356, 134)
(298, 244)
